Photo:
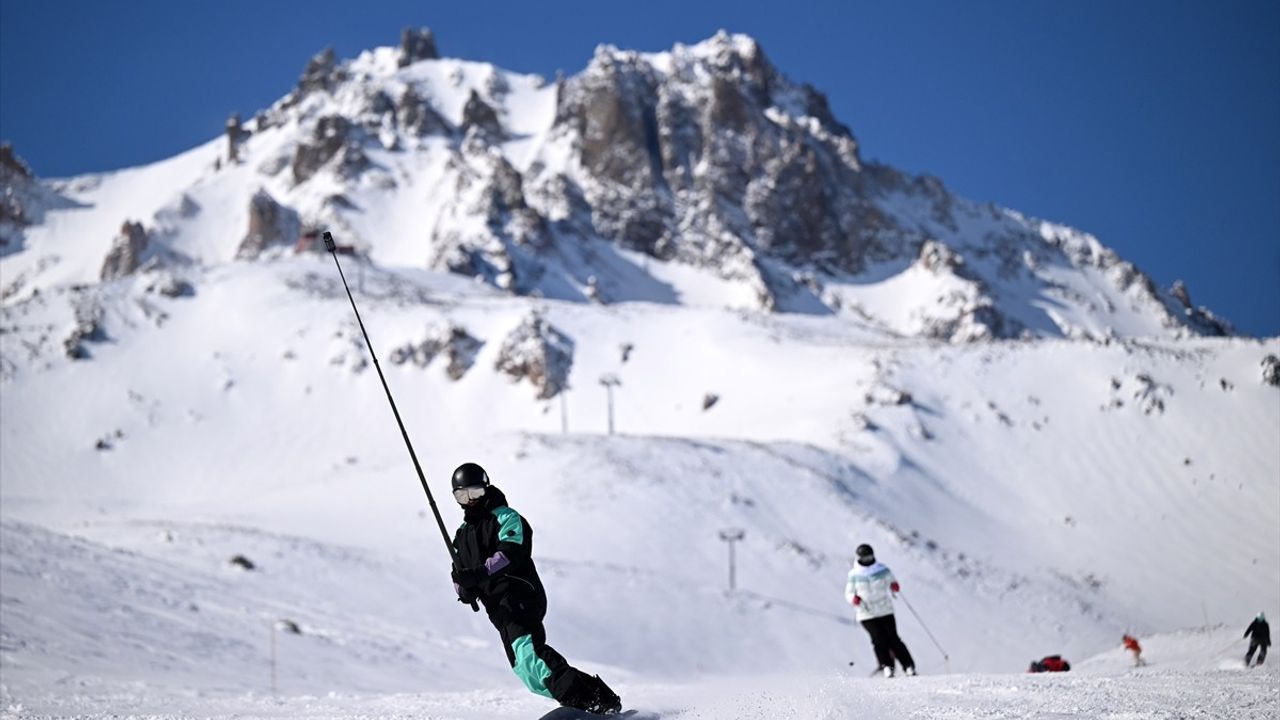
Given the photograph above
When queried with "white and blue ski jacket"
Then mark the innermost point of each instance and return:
(872, 584)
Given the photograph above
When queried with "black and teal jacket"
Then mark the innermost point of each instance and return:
(497, 538)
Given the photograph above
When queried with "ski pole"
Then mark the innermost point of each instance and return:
(453, 553)
(946, 659)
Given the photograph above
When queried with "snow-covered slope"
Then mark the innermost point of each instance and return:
(179, 392)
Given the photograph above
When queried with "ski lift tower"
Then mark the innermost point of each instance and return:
(610, 382)
(731, 536)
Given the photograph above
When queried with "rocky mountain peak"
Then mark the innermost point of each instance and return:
(321, 74)
(12, 166)
(415, 45)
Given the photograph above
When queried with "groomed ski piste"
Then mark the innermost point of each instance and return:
(1187, 684)
(218, 479)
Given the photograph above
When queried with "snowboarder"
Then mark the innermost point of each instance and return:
(495, 566)
(870, 589)
(1131, 644)
(1261, 633)
(1049, 663)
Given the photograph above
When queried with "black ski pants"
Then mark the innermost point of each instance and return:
(886, 643)
(543, 670)
(1255, 646)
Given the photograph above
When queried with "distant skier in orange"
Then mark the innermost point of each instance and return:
(1131, 644)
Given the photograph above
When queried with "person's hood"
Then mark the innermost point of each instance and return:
(1262, 617)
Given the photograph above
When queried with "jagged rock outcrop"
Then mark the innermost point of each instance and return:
(975, 320)
(87, 329)
(16, 184)
(453, 341)
(169, 285)
(501, 249)
(480, 116)
(126, 252)
(335, 140)
(538, 352)
(270, 225)
(1199, 318)
(417, 117)
(235, 135)
(322, 74)
(23, 199)
(417, 45)
(15, 178)
(1271, 370)
(1181, 294)
(964, 311)
(73, 344)
(940, 259)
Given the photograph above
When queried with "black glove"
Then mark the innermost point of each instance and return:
(470, 578)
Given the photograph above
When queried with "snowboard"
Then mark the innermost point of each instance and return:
(568, 713)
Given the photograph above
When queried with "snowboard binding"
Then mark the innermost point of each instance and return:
(595, 697)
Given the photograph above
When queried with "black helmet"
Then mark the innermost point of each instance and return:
(866, 555)
(469, 475)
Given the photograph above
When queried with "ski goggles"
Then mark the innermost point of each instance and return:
(468, 495)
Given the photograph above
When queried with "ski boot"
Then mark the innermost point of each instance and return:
(888, 671)
(909, 671)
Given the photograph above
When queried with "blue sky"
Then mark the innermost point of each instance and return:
(1154, 125)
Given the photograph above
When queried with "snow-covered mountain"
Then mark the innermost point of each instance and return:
(820, 350)
(699, 176)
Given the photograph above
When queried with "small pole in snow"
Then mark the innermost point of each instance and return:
(1204, 609)
(564, 412)
(273, 657)
(610, 382)
(731, 536)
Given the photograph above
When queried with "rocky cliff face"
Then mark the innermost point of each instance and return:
(707, 155)
(126, 251)
(270, 225)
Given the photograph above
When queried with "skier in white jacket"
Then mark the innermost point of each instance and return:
(870, 590)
